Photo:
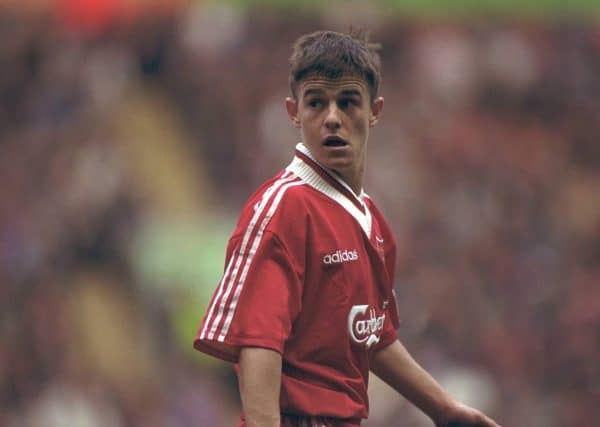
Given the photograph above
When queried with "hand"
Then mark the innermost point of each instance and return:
(464, 416)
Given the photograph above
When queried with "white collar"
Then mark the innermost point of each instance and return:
(305, 166)
(304, 149)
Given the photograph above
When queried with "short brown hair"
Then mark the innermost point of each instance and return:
(333, 55)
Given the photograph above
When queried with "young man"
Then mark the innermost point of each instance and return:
(306, 306)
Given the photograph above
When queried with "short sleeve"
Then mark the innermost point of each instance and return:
(256, 301)
(392, 323)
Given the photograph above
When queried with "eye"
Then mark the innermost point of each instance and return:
(345, 103)
(315, 103)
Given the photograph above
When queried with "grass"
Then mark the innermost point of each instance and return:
(582, 9)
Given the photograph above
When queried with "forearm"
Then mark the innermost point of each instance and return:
(396, 367)
(260, 382)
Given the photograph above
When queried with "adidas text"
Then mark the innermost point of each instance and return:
(340, 256)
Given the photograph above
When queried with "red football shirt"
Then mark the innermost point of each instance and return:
(309, 274)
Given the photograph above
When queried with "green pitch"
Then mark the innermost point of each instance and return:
(449, 8)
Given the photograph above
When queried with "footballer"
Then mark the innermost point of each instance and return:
(305, 307)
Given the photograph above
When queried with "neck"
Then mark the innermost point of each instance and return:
(354, 179)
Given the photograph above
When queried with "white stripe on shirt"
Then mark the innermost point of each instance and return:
(228, 281)
(251, 254)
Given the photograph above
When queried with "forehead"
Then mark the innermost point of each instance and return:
(333, 86)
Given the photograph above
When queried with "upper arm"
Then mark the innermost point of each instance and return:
(394, 364)
(385, 358)
(259, 364)
(259, 376)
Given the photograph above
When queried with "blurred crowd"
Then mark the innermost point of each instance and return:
(127, 152)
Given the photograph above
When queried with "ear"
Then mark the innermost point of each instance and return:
(376, 109)
(291, 107)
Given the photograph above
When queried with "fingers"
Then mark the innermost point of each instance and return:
(487, 422)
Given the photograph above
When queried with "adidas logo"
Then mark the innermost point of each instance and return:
(340, 256)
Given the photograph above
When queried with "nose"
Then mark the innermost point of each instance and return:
(332, 120)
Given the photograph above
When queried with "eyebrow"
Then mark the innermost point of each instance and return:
(351, 92)
(313, 91)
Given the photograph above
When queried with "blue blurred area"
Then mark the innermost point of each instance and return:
(128, 144)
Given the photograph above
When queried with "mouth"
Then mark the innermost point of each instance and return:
(334, 141)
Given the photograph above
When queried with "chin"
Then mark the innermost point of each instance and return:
(338, 165)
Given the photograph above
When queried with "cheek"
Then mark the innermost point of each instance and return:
(361, 125)
(310, 123)
(307, 119)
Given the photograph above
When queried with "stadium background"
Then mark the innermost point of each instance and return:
(131, 133)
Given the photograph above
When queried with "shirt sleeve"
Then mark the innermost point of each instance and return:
(392, 313)
(392, 323)
(256, 301)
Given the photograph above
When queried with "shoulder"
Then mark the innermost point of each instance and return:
(383, 224)
(283, 192)
(278, 204)
(373, 207)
